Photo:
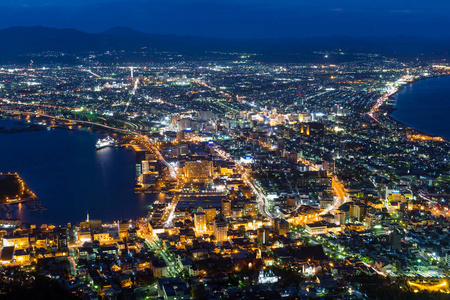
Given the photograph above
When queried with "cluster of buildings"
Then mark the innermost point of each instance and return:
(277, 181)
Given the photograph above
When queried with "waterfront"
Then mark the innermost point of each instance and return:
(425, 105)
(66, 172)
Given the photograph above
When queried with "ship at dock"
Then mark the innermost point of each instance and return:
(106, 142)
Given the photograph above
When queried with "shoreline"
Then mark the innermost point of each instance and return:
(33, 126)
(412, 82)
(97, 128)
(391, 108)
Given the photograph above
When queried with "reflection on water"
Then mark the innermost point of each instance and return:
(70, 177)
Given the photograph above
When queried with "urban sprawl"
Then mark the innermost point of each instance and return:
(277, 180)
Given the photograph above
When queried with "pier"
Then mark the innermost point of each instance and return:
(13, 190)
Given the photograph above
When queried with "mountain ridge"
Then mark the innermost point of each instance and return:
(21, 39)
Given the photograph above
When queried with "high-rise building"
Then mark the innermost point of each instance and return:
(210, 214)
(200, 222)
(226, 208)
(220, 229)
(358, 211)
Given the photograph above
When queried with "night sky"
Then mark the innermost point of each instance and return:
(237, 18)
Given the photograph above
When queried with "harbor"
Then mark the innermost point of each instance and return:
(68, 175)
(15, 193)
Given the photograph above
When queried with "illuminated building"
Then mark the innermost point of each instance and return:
(184, 123)
(226, 169)
(236, 212)
(88, 225)
(226, 208)
(21, 256)
(220, 229)
(309, 269)
(250, 208)
(282, 226)
(210, 214)
(18, 241)
(123, 227)
(200, 221)
(267, 277)
(125, 280)
(158, 268)
(145, 166)
(102, 236)
(357, 211)
(149, 165)
(246, 160)
(198, 169)
(84, 236)
(316, 228)
(322, 228)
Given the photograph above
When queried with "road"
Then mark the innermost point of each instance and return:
(341, 196)
(262, 199)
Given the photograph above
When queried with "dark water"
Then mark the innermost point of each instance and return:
(425, 105)
(65, 171)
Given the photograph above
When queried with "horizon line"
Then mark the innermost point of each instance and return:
(228, 37)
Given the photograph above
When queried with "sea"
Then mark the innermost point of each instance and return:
(71, 178)
(425, 105)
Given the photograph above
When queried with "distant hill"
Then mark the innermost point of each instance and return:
(20, 40)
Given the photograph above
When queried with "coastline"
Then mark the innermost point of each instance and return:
(412, 82)
(391, 108)
(53, 204)
(33, 126)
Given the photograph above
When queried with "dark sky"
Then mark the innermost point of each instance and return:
(237, 18)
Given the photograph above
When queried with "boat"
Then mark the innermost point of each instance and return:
(106, 142)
